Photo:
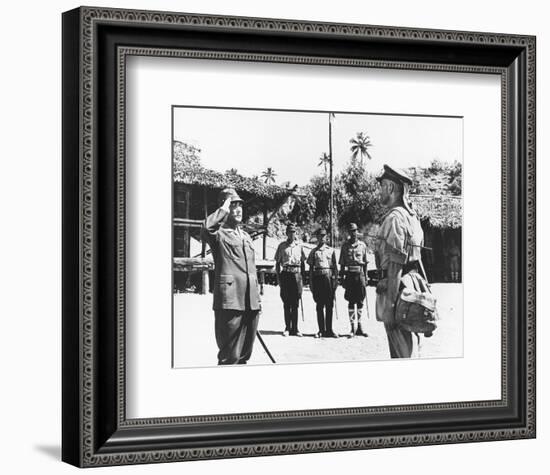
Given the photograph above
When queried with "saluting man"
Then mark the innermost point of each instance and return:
(236, 296)
(353, 270)
(289, 265)
(397, 254)
(323, 273)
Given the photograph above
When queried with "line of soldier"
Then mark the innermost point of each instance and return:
(290, 260)
(236, 302)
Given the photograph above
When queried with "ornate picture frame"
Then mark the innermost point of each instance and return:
(96, 45)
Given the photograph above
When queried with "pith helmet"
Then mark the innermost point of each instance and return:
(229, 193)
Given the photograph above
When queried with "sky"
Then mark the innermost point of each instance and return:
(292, 142)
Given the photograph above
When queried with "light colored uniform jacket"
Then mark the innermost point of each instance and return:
(399, 239)
(234, 264)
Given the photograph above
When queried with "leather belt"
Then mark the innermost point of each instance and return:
(321, 271)
(353, 269)
(293, 269)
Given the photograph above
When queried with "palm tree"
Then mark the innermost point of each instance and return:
(324, 160)
(360, 145)
(269, 176)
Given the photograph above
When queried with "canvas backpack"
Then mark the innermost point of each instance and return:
(416, 309)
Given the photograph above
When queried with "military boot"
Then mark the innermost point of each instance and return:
(359, 330)
(352, 323)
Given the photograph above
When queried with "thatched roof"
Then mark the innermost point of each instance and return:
(439, 211)
(201, 176)
(436, 194)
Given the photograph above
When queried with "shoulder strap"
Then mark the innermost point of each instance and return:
(402, 212)
(424, 274)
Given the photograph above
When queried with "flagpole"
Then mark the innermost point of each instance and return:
(331, 199)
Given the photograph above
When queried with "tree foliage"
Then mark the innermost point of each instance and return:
(186, 157)
(355, 194)
(455, 185)
(359, 201)
(324, 161)
(436, 191)
(360, 146)
(188, 169)
(438, 178)
(269, 176)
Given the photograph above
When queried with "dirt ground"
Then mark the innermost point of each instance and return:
(195, 345)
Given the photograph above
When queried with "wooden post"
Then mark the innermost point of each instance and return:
(262, 281)
(204, 283)
(264, 248)
(186, 233)
(205, 205)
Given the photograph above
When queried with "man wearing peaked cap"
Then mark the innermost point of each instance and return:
(403, 181)
(397, 254)
(236, 296)
(323, 278)
(353, 270)
(396, 175)
(290, 268)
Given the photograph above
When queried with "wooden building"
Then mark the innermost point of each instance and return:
(441, 219)
(195, 195)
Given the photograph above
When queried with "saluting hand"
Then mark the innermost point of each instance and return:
(227, 203)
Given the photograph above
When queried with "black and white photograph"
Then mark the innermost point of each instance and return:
(264, 238)
(315, 236)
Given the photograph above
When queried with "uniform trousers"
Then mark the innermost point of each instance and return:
(235, 334)
(355, 285)
(323, 295)
(291, 292)
(400, 341)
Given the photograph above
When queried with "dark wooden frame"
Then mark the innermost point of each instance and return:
(95, 429)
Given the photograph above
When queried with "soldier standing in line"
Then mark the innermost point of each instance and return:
(323, 273)
(236, 296)
(398, 246)
(353, 271)
(290, 267)
(454, 260)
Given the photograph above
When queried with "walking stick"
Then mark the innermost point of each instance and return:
(265, 346)
(335, 286)
(367, 300)
(302, 308)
